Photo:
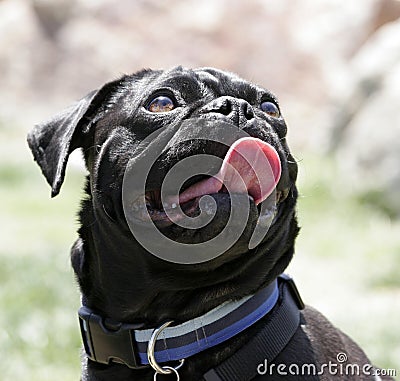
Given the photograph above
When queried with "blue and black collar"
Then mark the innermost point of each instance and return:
(128, 343)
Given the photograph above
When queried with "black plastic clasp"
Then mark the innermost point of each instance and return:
(103, 345)
(293, 290)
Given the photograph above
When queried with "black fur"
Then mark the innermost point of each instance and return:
(117, 277)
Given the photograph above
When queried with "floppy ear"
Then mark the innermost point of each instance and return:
(51, 142)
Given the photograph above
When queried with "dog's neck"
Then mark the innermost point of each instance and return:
(235, 321)
(151, 292)
(137, 347)
(133, 288)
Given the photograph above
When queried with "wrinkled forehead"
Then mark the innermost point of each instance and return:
(205, 81)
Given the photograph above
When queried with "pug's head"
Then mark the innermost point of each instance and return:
(190, 194)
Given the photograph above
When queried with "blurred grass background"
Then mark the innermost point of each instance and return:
(346, 264)
(335, 67)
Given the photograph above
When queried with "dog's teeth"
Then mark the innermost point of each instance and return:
(139, 205)
(135, 207)
(265, 219)
(209, 211)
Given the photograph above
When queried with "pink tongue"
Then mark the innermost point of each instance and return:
(250, 165)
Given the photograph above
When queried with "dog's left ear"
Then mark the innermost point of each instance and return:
(51, 142)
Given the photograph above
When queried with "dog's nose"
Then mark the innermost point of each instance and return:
(239, 111)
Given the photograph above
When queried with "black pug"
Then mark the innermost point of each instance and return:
(232, 317)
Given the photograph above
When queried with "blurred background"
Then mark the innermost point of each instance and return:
(335, 67)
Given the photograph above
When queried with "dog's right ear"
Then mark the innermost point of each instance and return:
(51, 142)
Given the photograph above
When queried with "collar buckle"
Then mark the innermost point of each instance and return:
(103, 345)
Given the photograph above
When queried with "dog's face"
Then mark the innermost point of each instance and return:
(160, 120)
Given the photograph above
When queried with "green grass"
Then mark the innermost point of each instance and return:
(39, 335)
(347, 264)
(347, 260)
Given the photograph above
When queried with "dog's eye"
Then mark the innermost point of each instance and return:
(270, 108)
(161, 103)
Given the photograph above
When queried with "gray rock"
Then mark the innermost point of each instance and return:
(367, 138)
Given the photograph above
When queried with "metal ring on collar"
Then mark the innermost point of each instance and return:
(171, 370)
(151, 357)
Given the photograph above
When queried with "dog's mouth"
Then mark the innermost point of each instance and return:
(251, 166)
